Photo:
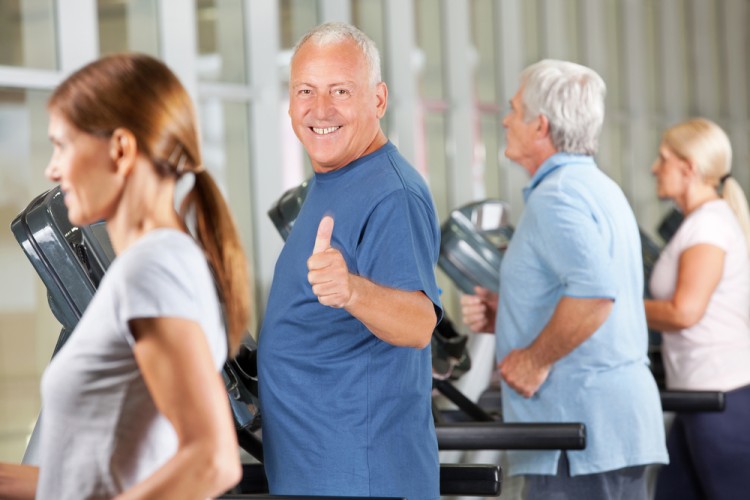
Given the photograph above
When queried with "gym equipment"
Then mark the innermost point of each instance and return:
(511, 436)
(485, 226)
(669, 224)
(450, 358)
(692, 401)
(458, 226)
(455, 479)
(473, 241)
(284, 212)
(673, 401)
(71, 262)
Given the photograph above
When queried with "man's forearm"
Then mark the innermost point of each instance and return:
(399, 317)
(572, 323)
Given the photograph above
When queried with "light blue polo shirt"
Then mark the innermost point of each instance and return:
(578, 237)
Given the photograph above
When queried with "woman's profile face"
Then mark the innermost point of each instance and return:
(671, 172)
(83, 167)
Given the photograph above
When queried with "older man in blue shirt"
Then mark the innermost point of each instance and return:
(571, 330)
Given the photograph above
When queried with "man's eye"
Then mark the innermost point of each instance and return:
(304, 92)
(341, 93)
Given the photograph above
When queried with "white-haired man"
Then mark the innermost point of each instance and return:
(571, 330)
(344, 360)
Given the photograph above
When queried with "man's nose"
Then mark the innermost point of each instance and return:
(323, 105)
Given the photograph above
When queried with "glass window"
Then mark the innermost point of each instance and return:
(297, 17)
(435, 129)
(483, 30)
(437, 175)
(28, 33)
(221, 41)
(128, 26)
(367, 15)
(28, 330)
(225, 133)
(429, 40)
(487, 154)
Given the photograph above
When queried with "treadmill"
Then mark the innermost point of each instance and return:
(473, 240)
(71, 262)
(470, 257)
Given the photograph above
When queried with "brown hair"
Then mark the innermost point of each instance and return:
(141, 94)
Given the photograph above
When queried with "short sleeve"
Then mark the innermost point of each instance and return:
(399, 245)
(572, 245)
(151, 285)
(708, 227)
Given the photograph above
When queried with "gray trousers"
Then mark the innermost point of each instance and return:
(621, 484)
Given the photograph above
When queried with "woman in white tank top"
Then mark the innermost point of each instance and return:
(701, 290)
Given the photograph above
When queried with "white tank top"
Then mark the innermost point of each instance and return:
(713, 354)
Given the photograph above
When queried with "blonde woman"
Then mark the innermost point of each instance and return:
(701, 290)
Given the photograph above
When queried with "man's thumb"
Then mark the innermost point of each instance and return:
(323, 238)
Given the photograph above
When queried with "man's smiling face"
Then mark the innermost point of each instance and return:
(335, 110)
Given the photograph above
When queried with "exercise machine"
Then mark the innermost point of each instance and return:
(472, 243)
(71, 262)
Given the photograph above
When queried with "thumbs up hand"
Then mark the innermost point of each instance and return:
(328, 273)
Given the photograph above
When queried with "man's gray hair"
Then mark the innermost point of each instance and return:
(571, 96)
(336, 32)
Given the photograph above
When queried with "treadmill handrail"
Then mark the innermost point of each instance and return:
(692, 401)
(483, 480)
(511, 436)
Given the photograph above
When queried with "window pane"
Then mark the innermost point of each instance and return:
(28, 330)
(437, 176)
(297, 17)
(437, 169)
(128, 26)
(483, 30)
(225, 133)
(28, 33)
(429, 39)
(221, 41)
(488, 156)
(367, 15)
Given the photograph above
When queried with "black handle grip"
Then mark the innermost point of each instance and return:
(470, 480)
(689, 401)
(455, 480)
(505, 436)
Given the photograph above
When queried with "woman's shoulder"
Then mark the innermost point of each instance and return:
(714, 223)
(163, 248)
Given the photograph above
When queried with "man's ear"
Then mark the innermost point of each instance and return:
(542, 126)
(123, 150)
(381, 94)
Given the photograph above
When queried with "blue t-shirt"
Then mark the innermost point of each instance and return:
(577, 237)
(345, 413)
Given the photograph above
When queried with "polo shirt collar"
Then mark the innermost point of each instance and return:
(551, 164)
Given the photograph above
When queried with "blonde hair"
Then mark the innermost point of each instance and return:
(706, 146)
(141, 94)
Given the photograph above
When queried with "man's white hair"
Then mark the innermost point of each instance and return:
(571, 96)
(336, 32)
